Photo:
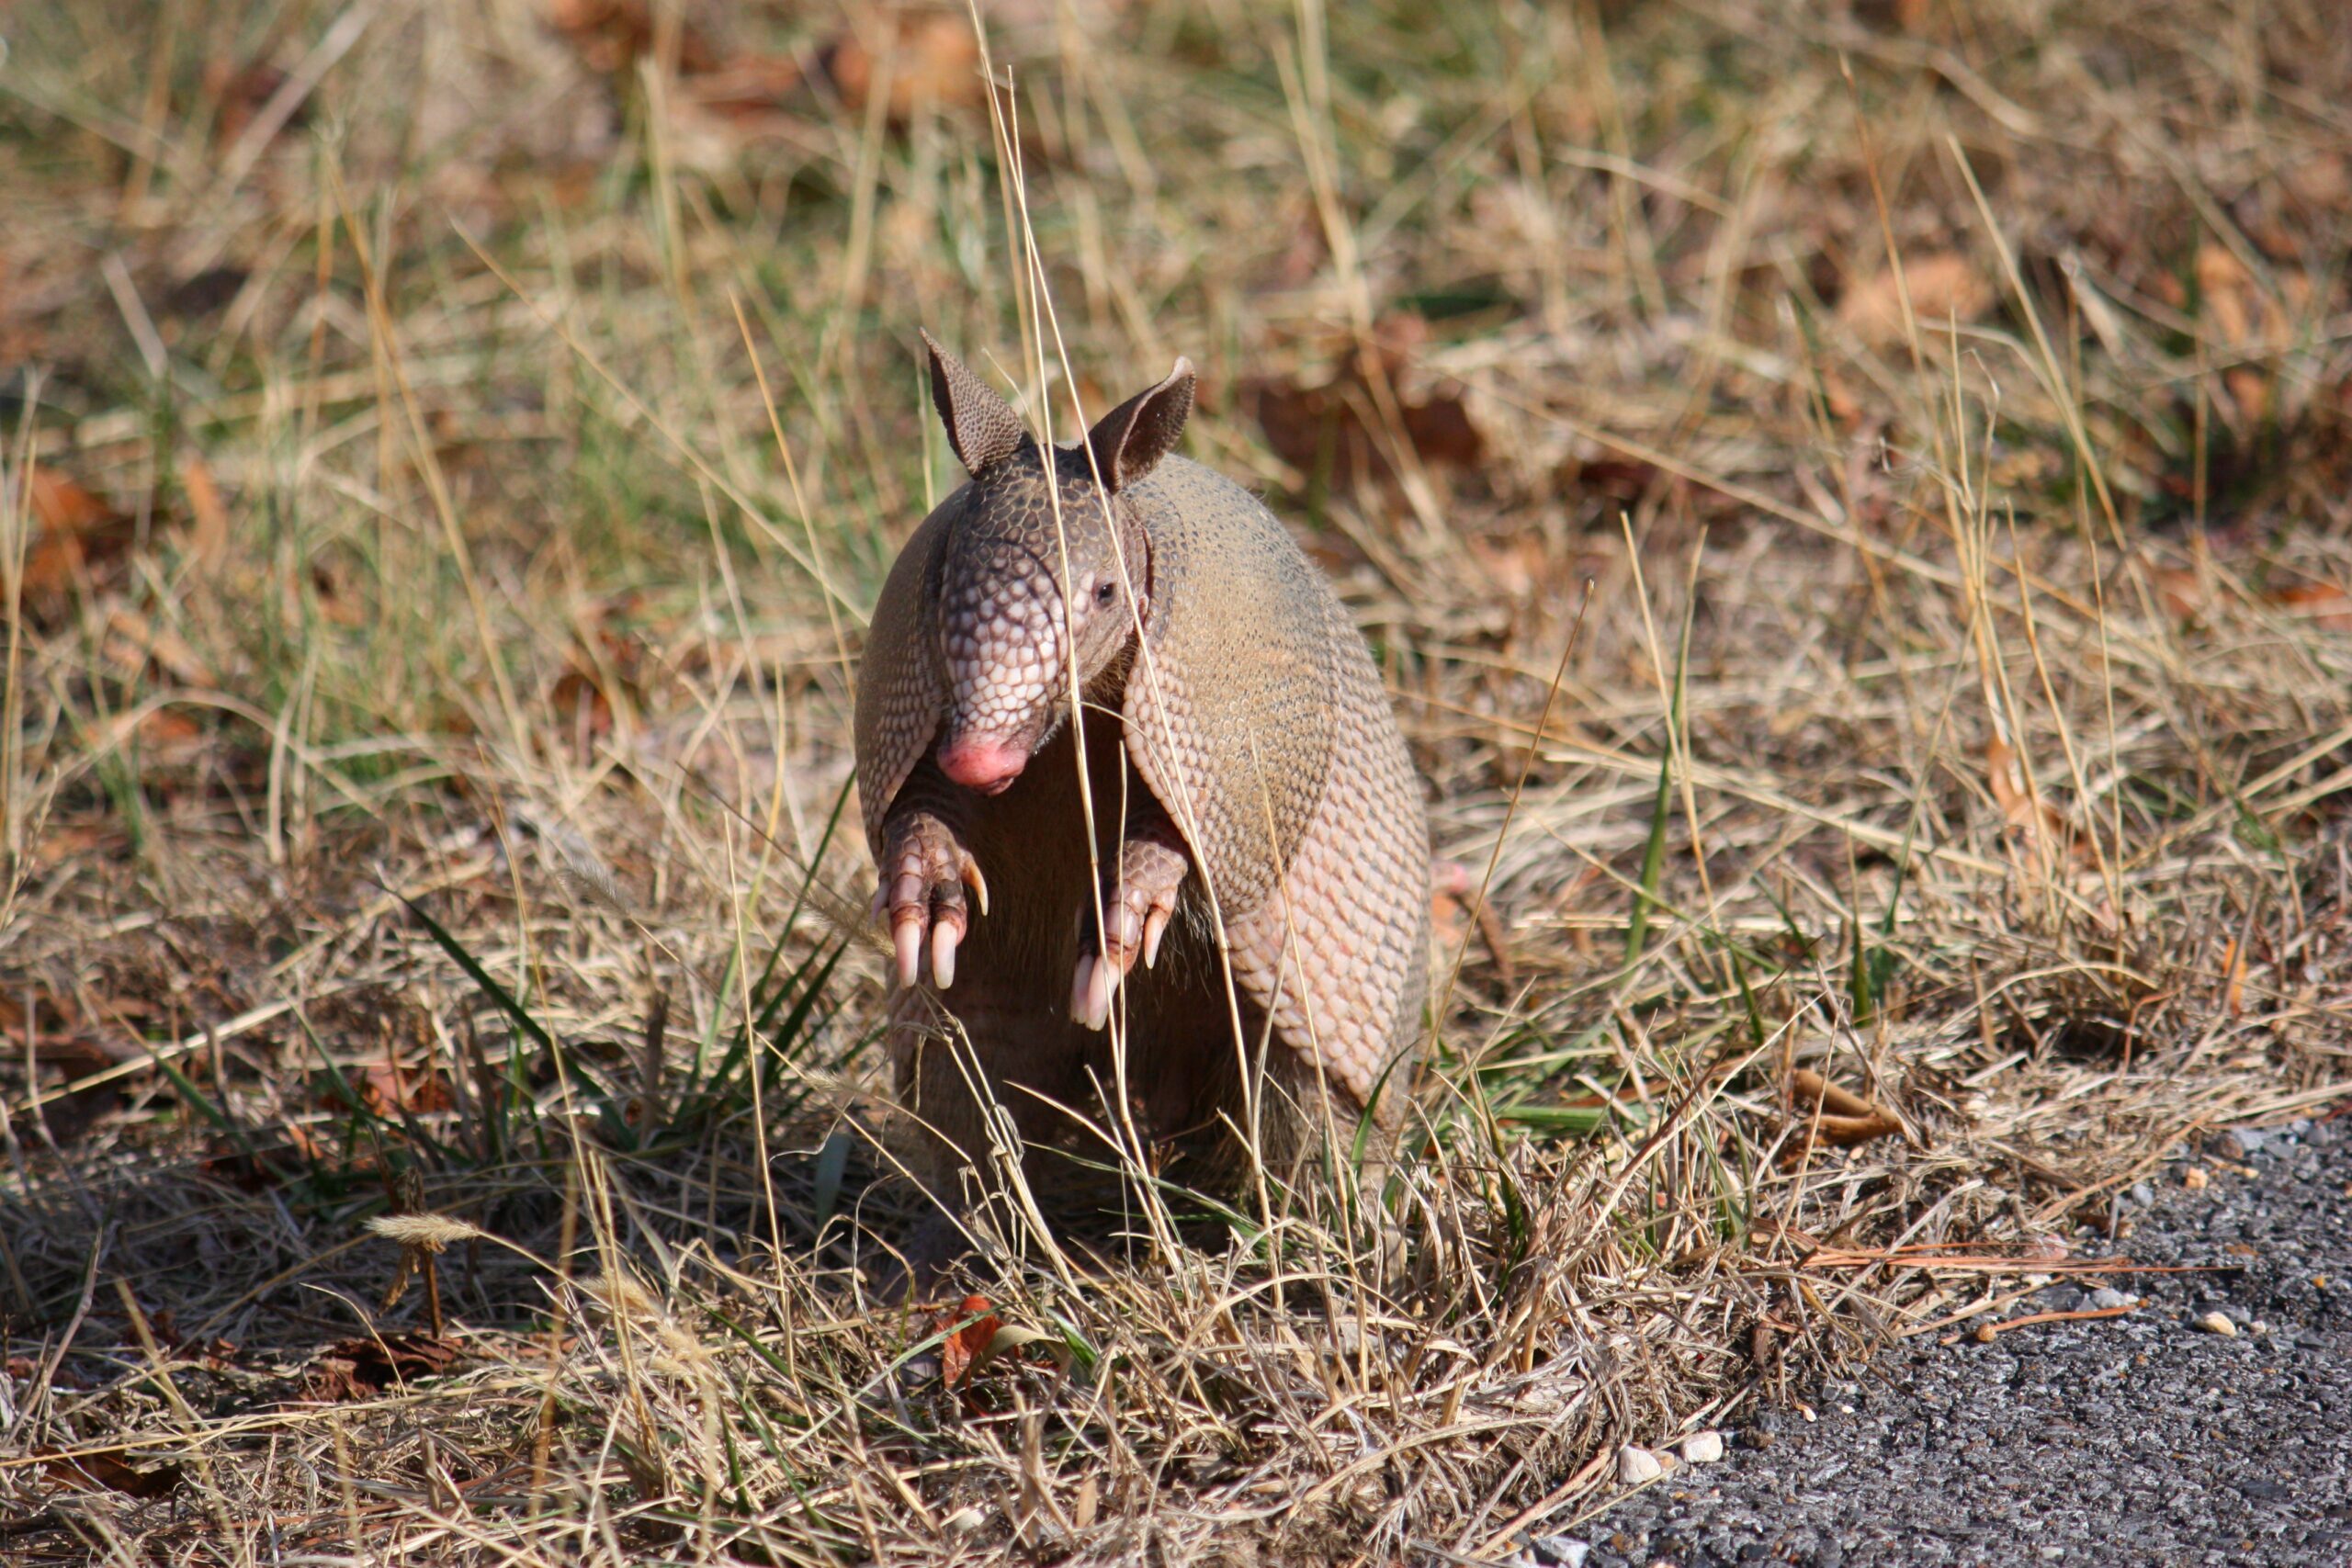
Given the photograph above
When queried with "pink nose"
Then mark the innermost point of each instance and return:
(987, 766)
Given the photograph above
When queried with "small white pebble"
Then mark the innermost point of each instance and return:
(1636, 1465)
(2215, 1322)
(2107, 1299)
(964, 1520)
(1704, 1448)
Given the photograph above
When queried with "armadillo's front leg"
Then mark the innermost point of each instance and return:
(1138, 900)
(925, 869)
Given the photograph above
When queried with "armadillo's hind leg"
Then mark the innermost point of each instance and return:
(926, 869)
(1138, 900)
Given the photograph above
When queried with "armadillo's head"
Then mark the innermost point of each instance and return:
(1045, 575)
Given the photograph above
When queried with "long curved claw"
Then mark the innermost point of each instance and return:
(1155, 926)
(922, 895)
(943, 938)
(1089, 997)
(908, 935)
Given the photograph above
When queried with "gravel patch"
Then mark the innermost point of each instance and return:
(2212, 1425)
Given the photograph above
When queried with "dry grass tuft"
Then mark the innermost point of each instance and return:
(450, 449)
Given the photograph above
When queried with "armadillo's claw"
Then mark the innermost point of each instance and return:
(1090, 997)
(1138, 906)
(943, 937)
(909, 936)
(925, 871)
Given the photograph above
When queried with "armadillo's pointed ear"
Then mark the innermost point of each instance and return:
(1129, 441)
(981, 428)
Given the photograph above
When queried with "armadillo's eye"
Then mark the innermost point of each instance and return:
(1105, 590)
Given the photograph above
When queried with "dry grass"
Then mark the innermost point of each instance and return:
(447, 461)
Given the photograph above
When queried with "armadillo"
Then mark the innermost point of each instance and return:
(1121, 750)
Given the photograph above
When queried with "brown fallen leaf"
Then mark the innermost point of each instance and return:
(241, 90)
(1335, 430)
(2248, 319)
(134, 642)
(164, 736)
(2042, 841)
(928, 57)
(77, 532)
(611, 34)
(970, 1343)
(208, 533)
(106, 1470)
(387, 1090)
(746, 88)
(1944, 286)
(2324, 604)
(2185, 592)
(1843, 1118)
(363, 1369)
(2233, 979)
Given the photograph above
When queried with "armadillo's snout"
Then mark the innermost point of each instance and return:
(985, 765)
(1003, 653)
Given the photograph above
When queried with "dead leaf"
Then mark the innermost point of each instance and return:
(2324, 604)
(2233, 979)
(1944, 286)
(611, 34)
(2320, 181)
(1843, 1118)
(164, 736)
(77, 532)
(1519, 564)
(242, 92)
(207, 534)
(1338, 432)
(387, 1091)
(165, 1324)
(747, 88)
(2043, 843)
(134, 642)
(1808, 1085)
(63, 842)
(109, 1472)
(2185, 591)
(931, 57)
(968, 1345)
(2248, 321)
(363, 1369)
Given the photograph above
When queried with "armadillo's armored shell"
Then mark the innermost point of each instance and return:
(1256, 717)
(1228, 717)
(901, 692)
